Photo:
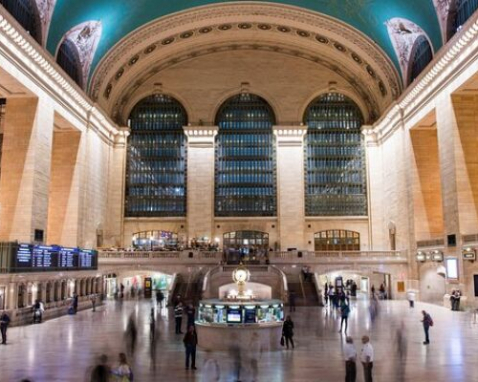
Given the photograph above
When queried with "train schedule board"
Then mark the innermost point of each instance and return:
(68, 258)
(87, 259)
(24, 256)
(45, 256)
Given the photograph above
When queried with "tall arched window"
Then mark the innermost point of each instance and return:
(464, 10)
(422, 56)
(69, 60)
(245, 158)
(335, 175)
(26, 13)
(156, 164)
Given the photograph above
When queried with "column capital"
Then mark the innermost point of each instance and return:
(201, 136)
(121, 138)
(371, 136)
(290, 135)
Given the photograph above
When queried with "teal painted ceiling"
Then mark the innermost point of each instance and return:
(120, 17)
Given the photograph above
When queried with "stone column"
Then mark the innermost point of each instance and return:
(200, 180)
(291, 185)
(114, 235)
(26, 161)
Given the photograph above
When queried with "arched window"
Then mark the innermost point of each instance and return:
(335, 176)
(422, 56)
(245, 158)
(69, 60)
(463, 11)
(156, 164)
(26, 13)
(337, 240)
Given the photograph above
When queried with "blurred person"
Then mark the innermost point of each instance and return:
(401, 343)
(411, 298)
(122, 372)
(236, 355)
(159, 298)
(344, 314)
(427, 322)
(288, 332)
(4, 322)
(210, 372)
(373, 308)
(190, 314)
(366, 357)
(190, 341)
(131, 334)
(93, 302)
(255, 354)
(291, 301)
(350, 354)
(178, 317)
(152, 324)
(101, 372)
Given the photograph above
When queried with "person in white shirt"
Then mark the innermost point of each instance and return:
(350, 354)
(366, 357)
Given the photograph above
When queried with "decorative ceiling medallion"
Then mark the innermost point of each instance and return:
(264, 27)
(356, 58)
(167, 41)
(339, 47)
(205, 30)
(245, 26)
(119, 74)
(150, 49)
(283, 29)
(108, 91)
(322, 39)
(224, 27)
(382, 88)
(186, 34)
(302, 33)
(371, 71)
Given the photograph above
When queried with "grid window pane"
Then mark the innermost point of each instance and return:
(422, 57)
(25, 12)
(464, 10)
(337, 241)
(69, 61)
(245, 158)
(334, 158)
(156, 168)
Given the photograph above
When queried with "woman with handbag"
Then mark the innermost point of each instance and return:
(288, 332)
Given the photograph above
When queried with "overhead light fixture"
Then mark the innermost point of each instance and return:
(469, 254)
(437, 255)
(421, 256)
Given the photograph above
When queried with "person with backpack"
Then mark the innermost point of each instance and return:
(427, 322)
(123, 372)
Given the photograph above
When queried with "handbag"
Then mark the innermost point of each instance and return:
(282, 341)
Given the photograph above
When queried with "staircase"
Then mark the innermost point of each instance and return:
(305, 292)
(189, 287)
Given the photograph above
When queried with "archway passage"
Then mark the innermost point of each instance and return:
(245, 246)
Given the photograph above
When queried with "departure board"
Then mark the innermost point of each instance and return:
(68, 258)
(24, 257)
(45, 256)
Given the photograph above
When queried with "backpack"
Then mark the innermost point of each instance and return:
(430, 321)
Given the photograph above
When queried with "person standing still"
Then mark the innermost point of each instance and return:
(366, 357)
(4, 322)
(190, 342)
(411, 298)
(427, 322)
(350, 354)
(288, 332)
(178, 316)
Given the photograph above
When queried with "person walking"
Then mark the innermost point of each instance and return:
(350, 354)
(93, 302)
(288, 332)
(411, 298)
(4, 322)
(178, 316)
(190, 314)
(291, 301)
(123, 372)
(344, 312)
(366, 357)
(101, 372)
(190, 342)
(427, 322)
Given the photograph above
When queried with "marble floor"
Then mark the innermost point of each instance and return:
(65, 349)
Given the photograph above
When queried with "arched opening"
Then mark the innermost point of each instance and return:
(48, 292)
(422, 55)
(337, 240)
(26, 13)
(245, 174)
(155, 240)
(69, 60)
(459, 15)
(21, 296)
(63, 290)
(335, 176)
(156, 164)
(245, 246)
(56, 291)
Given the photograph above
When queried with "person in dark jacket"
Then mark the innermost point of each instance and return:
(190, 342)
(4, 322)
(178, 317)
(288, 332)
(101, 372)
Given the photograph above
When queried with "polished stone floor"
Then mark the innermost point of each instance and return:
(64, 349)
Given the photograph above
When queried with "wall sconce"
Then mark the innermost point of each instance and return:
(437, 255)
(421, 256)
(469, 254)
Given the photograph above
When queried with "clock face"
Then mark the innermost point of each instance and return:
(241, 275)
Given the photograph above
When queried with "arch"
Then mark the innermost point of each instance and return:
(63, 290)
(27, 14)
(156, 161)
(48, 292)
(461, 12)
(403, 34)
(69, 60)
(21, 291)
(335, 169)
(337, 240)
(56, 291)
(245, 160)
(420, 56)
(85, 37)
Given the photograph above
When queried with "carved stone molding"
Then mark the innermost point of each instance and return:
(45, 9)
(268, 19)
(443, 8)
(201, 136)
(290, 135)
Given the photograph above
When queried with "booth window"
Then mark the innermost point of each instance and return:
(26, 13)
(156, 161)
(69, 60)
(335, 175)
(245, 158)
(337, 240)
(422, 56)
